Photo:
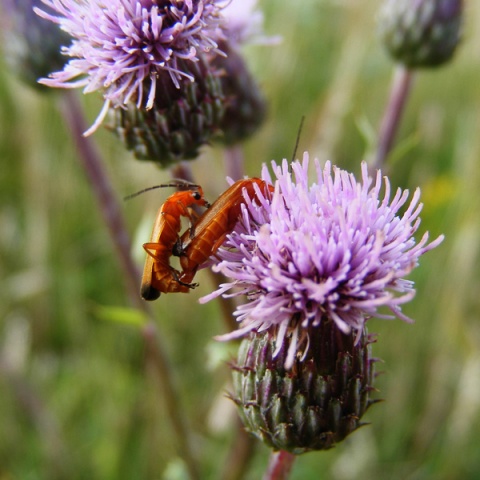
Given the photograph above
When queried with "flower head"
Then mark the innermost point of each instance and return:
(31, 44)
(421, 33)
(121, 47)
(336, 250)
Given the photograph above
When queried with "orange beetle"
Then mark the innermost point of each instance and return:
(209, 232)
(158, 275)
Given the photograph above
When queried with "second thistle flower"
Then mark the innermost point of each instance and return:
(337, 250)
(316, 262)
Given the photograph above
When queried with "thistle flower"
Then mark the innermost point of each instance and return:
(421, 33)
(333, 251)
(122, 47)
(32, 44)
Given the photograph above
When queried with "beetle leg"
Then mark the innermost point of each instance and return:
(177, 278)
(153, 249)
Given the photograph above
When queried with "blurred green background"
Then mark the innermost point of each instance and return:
(77, 399)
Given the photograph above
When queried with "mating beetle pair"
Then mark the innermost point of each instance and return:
(205, 235)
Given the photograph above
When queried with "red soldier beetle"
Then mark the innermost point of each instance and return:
(208, 234)
(158, 275)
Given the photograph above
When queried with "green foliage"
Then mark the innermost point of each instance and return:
(78, 400)
(127, 316)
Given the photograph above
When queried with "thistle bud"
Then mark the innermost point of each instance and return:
(313, 405)
(181, 119)
(245, 104)
(32, 44)
(421, 33)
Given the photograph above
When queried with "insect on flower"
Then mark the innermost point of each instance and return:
(333, 250)
(158, 275)
(215, 224)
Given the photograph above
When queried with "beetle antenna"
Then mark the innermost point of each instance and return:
(298, 138)
(178, 183)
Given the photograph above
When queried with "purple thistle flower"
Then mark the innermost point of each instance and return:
(337, 249)
(122, 46)
(31, 44)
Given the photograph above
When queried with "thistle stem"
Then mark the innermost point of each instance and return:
(234, 162)
(155, 353)
(279, 466)
(400, 89)
(92, 163)
(239, 456)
